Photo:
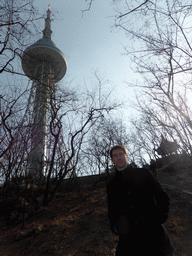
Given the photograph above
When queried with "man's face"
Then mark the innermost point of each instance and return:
(120, 159)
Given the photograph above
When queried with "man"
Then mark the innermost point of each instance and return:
(137, 208)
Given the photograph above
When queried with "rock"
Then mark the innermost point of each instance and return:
(40, 227)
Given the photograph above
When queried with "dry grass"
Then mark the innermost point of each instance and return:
(77, 224)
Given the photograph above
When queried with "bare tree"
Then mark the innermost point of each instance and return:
(17, 26)
(17, 23)
(71, 121)
(104, 135)
(161, 53)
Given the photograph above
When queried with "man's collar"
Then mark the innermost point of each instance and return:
(129, 167)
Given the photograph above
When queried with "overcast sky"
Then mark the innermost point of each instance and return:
(89, 42)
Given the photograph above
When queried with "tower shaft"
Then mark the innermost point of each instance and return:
(40, 120)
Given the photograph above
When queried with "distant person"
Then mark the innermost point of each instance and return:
(137, 208)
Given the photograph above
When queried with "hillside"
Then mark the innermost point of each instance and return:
(76, 223)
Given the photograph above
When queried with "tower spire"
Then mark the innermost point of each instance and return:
(47, 31)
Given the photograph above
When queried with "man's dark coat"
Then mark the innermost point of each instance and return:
(135, 194)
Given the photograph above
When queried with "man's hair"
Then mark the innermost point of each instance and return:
(117, 147)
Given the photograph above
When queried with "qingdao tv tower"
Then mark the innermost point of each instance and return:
(45, 65)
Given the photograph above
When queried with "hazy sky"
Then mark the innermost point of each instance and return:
(89, 42)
